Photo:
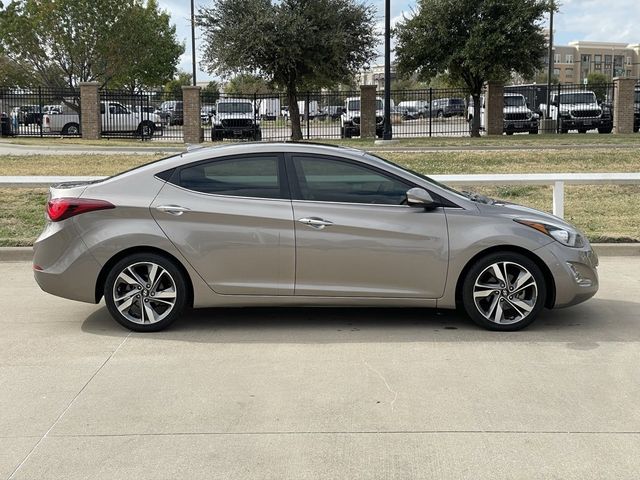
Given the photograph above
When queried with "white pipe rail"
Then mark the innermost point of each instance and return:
(557, 180)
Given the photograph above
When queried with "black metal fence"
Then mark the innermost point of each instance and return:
(566, 108)
(40, 111)
(155, 115)
(267, 116)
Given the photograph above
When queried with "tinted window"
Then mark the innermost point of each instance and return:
(240, 176)
(330, 180)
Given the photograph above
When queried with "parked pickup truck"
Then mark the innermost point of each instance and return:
(518, 117)
(116, 118)
(235, 118)
(350, 120)
(579, 110)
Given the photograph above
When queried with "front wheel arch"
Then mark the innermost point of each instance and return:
(106, 268)
(548, 277)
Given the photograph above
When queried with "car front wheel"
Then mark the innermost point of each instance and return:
(504, 291)
(145, 292)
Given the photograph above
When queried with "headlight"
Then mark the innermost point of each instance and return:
(566, 236)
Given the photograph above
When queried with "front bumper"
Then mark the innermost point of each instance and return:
(235, 132)
(573, 123)
(520, 125)
(574, 272)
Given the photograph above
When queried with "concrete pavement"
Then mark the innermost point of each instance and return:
(319, 393)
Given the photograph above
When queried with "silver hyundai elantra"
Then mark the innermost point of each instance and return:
(272, 224)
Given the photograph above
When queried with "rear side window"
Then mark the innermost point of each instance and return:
(324, 179)
(255, 176)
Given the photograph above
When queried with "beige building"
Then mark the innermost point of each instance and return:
(374, 75)
(572, 63)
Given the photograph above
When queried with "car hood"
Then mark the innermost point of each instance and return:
(224, 116)
(513, 210)
(579, 106)
(516, 110)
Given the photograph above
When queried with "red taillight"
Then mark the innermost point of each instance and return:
(63, 208)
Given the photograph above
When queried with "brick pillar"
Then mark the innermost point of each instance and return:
(623, 106)
(367, 111)
(192, 129)
(90, 117)
(494, 109)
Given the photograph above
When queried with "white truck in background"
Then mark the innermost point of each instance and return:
(116, 118)
(579, 110)
(269, 108)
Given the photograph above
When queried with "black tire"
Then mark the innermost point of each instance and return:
(257, 136)
(636, 129)
(136, 259)
(440, 114)
(606, 130)
(480, 269)
(347, 132)
(342, 132)
(582, 130)
(146, 129)
(216, 135)
(71, 129)
(509, 132)
(533, 132)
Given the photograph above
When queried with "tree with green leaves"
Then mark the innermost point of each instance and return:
(598, 83)
(174, 86)
(292, 44)
(473, 41)
(211, 93)
(123, 43)
(247, 84)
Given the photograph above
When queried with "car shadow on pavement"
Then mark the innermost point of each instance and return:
(595, 321)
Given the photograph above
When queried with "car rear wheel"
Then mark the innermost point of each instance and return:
(504, 291)
(145, 292)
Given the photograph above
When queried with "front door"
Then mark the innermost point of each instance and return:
(355, 237)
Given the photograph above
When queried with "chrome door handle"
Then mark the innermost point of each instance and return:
(172, 209)
(315, 222)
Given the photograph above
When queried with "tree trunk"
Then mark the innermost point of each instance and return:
(475, 124)
(294, 113)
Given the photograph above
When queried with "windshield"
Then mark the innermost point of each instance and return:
(638, 96)
(516, 101)
(235, 107)
(456, 101)
(584, 97)
(355, 105)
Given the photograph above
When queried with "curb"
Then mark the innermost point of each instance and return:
(25, 254)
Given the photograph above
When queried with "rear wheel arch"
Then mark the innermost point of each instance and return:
(550, 285)
(106, 268)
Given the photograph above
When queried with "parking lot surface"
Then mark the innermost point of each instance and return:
(319, 393)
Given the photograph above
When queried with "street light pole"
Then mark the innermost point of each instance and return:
(387, 133)
(193, 42)
(550, 71)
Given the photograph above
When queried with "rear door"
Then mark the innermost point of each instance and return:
(354, 236)
(231, 218)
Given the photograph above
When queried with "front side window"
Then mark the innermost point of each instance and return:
(254, 176)
(324, 179)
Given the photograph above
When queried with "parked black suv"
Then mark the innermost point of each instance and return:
(447, 107)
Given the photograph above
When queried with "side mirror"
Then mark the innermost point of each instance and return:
(419, 197)
(343, 110)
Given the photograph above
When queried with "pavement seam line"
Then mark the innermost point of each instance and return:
(62, 414)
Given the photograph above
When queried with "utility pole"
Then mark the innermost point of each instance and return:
(387, 133)
(550, 72)
(193, 43)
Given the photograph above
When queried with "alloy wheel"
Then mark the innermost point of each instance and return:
(505, 293)
(144, 293)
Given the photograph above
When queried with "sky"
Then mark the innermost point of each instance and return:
(595, 20)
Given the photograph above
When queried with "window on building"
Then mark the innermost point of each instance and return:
(557, 58)
(556, 72)
(607, 59)
(568, 58)
(569, 72)
(597, 59)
